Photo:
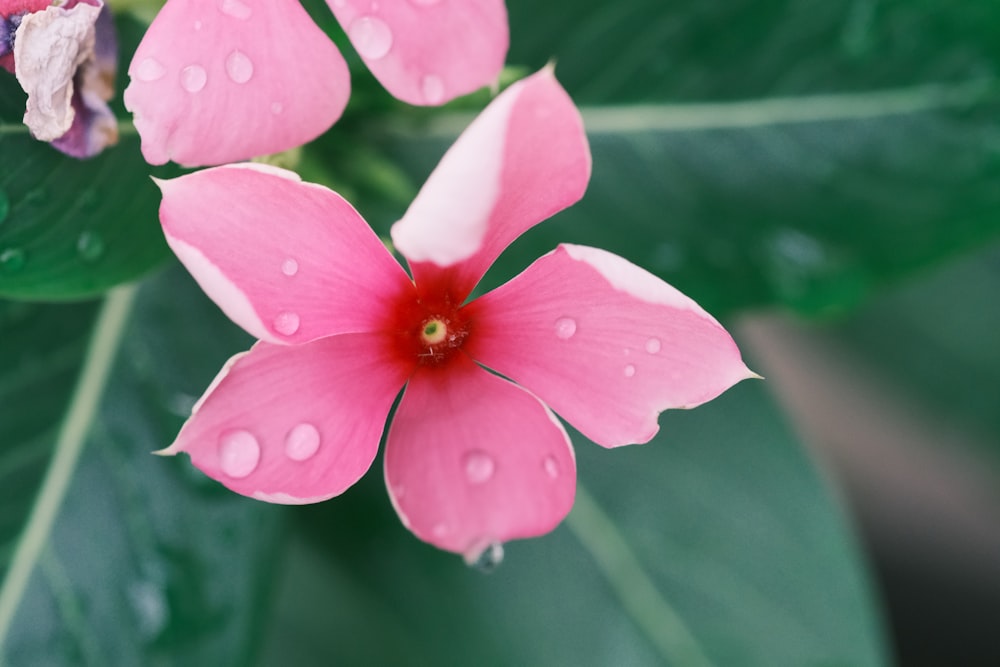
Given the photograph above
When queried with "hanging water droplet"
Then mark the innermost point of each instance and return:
(4, 205)
(551, 467)
(150, 69)
(236, 9)
(479, 467)
(193, 78)
(239, 67)
(239, 453)
(289, 267)
(371, 36)
(433, 89)
(653, 345)
(485, 555)
(565, 328)
(12, 260)
(286, 323)
(90, 246)
(629, 370)
(302, 442)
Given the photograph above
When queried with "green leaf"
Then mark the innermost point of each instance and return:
(125, 558)
(716, 543)
(73, 228)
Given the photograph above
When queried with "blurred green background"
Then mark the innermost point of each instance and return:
(819, 175)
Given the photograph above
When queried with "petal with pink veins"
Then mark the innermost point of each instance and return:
(225, 80)
(428, 52)
(297, 424)
(288, 261)
(605, 343)
(523, 159)
(473, 459)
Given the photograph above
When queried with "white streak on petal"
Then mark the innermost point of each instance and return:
(49, 46)
(230, 298)
(626, 277)
(287, 499)
(449, 218)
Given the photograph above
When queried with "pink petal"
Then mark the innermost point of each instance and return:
(226, 80)
(472, 459)
(288, 261)
(428, 51)
(603, 342)
(523, 159)
(295, 424)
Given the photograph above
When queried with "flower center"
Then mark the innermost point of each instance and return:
(439, 337)
(434, 332)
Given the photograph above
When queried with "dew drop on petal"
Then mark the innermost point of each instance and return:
(90, 246)
(193, 78)
(276, 108)
(479, 467)
(551, 467)
(484, 555)
(440, 530)
(239, 453)
(629, 371)
(239, 67)
(286, 323)
(289, 267)
(653, 345)
(433, 89)
(302, 442)
(12, 260)
(197, 25)
(150, 69)
(371, 36)
(236, 9)
(565, 328)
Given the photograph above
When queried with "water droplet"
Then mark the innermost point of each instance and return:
(89, 200)
(479, 467)
(4, 205)
(276, 108)
(653, 345)
(371, 37)
(149, 601)
(398, 491)
(193, 78)
(289, 267)
(239, 67)
(197, 25)
(551, 467)
(150, 69)
(433, 89)
(440, 530)
(236, 9)
(484, 555)
(286, 323)
(302, 442)
(90, 246)
(12, 260)
(565, 327)
(239, 453)
(629, 371)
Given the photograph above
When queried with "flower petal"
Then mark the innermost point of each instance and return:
(473, 459)
(428, 51)
(221, 81)
(522, 160)
(288, 261)
(294, 424)
(49, 47)
(603, 342)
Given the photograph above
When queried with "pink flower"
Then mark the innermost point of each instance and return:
(225, 80)
(472, 458)
(64, 55)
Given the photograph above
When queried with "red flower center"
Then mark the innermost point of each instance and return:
(429, 331)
